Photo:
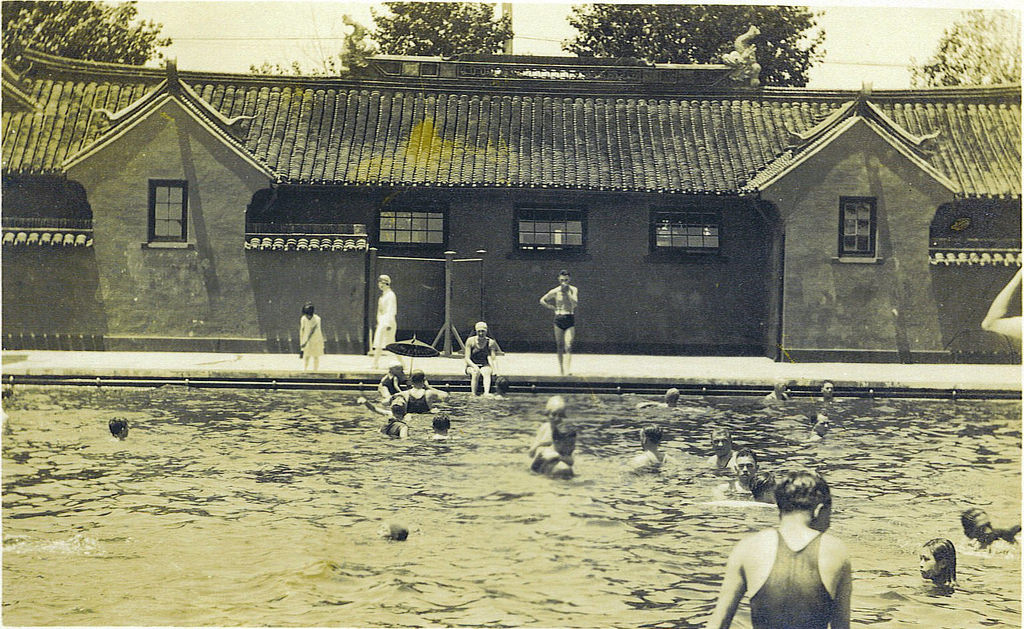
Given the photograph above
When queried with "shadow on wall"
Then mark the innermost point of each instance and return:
(284, 280)
(963, 294)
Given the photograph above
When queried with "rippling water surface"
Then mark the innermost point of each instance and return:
(232, 507)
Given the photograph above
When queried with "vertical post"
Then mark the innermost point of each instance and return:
(370, 306)
(480, 254)
(449, 256)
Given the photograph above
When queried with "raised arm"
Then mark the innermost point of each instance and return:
(734, 586)
(996, 319)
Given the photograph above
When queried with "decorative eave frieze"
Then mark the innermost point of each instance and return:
(975, 257)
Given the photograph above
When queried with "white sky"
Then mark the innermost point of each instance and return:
(869, 42)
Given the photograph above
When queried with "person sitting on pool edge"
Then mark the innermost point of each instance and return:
(978, 528)
(799, 575)
(118, 427)
(652, 457)
(670, 400)
(421, 397)
(555, 461)
(938, 562)
(442, 424)
(554, 409)
(721, 445)
(393, 381)
(481, 358)
(396, 428)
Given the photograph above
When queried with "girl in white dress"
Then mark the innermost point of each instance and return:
(311, 337)
(387, 318)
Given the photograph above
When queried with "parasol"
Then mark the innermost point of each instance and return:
(413, 348)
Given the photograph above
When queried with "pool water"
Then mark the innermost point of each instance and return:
(241, 507)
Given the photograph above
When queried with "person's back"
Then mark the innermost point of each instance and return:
(652, 457)
(799, 576)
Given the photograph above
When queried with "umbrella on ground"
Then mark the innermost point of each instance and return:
(413, 348)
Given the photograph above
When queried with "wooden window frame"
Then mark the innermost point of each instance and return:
(872, 249)
(556, 214)
(391, 245)
(154, 185)
(685, 250)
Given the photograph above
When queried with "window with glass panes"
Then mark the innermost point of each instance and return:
(693, 231)
(857, 226)
(541, 229)
(168, 210)
(412, 227)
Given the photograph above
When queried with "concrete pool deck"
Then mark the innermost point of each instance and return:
(590, 371)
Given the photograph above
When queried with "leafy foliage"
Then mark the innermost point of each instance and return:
(982, 48)
(440, 28)
(789, 44)
(96, 31)
(351, 59)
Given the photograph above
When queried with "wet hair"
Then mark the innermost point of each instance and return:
(307, 308)
(671, 396)
(746, 453)
(761, 484)
(780, 390)
(118, 427)
(417, 377)
(722, 431)
(801, 490)
(969, 520)
(398, 406)
(945, 555)
(652, 433)
(441, 422)
(501, 385)
(555, 406)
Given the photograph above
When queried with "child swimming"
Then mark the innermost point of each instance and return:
(670, 400)
(978, 528)
(396, 428)
(652, 457)
(556, 460)
(555, 411)
(938, 562)
(118, 427)
(442, 424)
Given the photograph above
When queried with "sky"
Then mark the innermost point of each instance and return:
(865, 42)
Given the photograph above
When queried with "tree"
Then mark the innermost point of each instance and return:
(788, 45)
(981, 48)
(352, 58)
(440, 28)
(81, 30)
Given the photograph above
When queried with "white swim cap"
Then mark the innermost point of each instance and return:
(480, 325)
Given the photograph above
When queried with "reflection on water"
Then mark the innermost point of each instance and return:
(233, 507)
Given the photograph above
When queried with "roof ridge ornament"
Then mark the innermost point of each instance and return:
(743, 59)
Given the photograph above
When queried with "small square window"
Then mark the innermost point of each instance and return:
(543, 229)
(686, 231)
(168, 210)
(857, 227)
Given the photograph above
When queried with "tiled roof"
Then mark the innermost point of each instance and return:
(396, 131)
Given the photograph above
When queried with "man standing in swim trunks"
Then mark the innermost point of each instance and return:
(563, 299)
(799, 575)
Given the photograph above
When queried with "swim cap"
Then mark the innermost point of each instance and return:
(480, 325)
(384, 278)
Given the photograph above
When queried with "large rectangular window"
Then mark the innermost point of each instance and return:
(542, 229)
(411, 227)
(688, 231)
(857, 226)
(168, 210)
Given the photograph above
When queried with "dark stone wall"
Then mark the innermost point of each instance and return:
(52, 291)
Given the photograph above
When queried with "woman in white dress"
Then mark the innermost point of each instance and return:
(311, 337)
(387, 318)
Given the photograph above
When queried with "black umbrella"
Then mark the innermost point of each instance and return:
(413, 348)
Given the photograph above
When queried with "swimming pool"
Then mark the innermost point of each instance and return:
(242, 507)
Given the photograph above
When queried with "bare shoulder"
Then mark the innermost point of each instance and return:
(833, 556)
(757, 542)
(833, 545)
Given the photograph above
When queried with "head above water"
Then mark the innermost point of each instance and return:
(821, 425)
(721, 440)
(398, 407)
(307, 308)
(442, 423)
(805, 490)
(780, 390)
(395, 367)
(746, 464)
(417, 377)
(977, 525)
(118, 427)
(651, 434)
(672, 397)
(501, 385)
(555, 407)
(762, 487)
(938, 561)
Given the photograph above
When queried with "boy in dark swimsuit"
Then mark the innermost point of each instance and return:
(978, 528)
(800, 575)
(481, 355)
(396, 428)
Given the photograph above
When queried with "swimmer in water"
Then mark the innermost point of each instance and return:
(762, 487)
(670, 400)
(820, 428)
(798, 574)
(501, 386)
(828, 392)
(396, 428)
(555, 461)
(779, 394)
(421, 398)
(938, 562)
(442, 424)
(978, 528)
(721, 445)
(555, 412)
(394, 531)
(746, 467)
(118, 427)
(652, 457)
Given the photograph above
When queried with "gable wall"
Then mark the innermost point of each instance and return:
(842, 311)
